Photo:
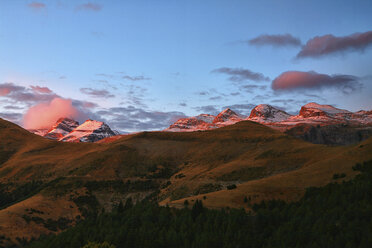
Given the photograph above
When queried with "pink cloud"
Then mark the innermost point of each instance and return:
(44, 115)
(4, 91)
(329, 44)
(44, 90)
(291, 80)
(36, 5)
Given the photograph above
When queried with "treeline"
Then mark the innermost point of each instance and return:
(337, 215)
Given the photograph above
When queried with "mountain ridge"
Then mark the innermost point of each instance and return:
(309, 124)
(68, 130)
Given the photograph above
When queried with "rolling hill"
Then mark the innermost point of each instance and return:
(220, 167)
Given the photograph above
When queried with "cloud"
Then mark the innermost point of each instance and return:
(13, 117)
(252, 88)
(328, 44)
(135, 78)
(215, 98)
(44, 115)
(7, 88)
(84, 104)
(96, 93)
(208, 109)
(133, 119)
(12, 107)
(36, 5)
(105, 75)
(135, 95)
(275, 40)
(44, 90)
(240, 74)
(36, 98)
(182, 104)
(292, 80)
(20, 94)
(202, 93)
(89, 7)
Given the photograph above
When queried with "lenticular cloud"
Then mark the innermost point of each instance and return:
(44, 115)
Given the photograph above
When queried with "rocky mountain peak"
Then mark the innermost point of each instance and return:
(267, 113)
(314, 109)
(226, 115)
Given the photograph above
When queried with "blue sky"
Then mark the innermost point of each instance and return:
(145, 63)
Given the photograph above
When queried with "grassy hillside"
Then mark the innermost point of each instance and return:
(78, 179)
(324, 217)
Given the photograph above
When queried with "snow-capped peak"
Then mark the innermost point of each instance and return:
(62, 127)
(315, 109)
(89, 131)
(267, 113)
(227, 115)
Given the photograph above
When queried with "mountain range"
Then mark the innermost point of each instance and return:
(316, 123)
(320, 124)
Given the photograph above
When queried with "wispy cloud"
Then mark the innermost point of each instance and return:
(13, 117)
(25, 95)
(278, 40)
(320, 46)
(240, 74)
(89, 7)
(36, 5)
(96, 93)
(135, 78)
(208, 109)
(132, 118)
(104, 75)
(39, 89)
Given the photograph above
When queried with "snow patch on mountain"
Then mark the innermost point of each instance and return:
(205, 122)
(89, 131)
(62, 127)
(265, 113)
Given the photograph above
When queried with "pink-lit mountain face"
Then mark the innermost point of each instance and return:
(315, 123)
(69, 130)
(205, 122)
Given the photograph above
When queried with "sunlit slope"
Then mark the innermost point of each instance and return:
(292, 184)
(218, 151)
(242, 152)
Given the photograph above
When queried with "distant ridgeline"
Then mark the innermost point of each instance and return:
(337, 215)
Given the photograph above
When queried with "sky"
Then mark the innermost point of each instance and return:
(141, 65)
